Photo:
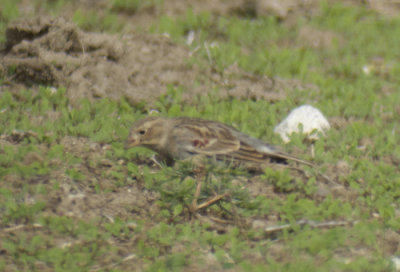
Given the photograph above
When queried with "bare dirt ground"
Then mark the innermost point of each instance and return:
(138, 67)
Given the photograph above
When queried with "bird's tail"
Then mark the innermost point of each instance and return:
(277, 154)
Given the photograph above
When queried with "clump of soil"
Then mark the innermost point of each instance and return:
(92, 65)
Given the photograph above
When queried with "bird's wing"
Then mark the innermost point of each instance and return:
(219, 140)
(207, 140)
(231, 149)
(215, 139)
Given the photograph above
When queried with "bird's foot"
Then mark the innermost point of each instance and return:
(194, 207)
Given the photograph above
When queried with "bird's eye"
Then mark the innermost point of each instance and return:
(142, 132)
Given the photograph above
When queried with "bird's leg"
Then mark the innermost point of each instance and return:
(194, 206)
(200, 175)
(155, 161)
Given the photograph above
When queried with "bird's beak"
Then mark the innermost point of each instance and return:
(131, 142)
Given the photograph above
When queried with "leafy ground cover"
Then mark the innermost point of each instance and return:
(73, 199)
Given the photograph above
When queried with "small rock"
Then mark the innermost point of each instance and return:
(311, 119)
(190, 37)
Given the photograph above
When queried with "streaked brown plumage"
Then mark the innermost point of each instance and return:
(184, 138)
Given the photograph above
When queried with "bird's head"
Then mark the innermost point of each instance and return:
(148, 132)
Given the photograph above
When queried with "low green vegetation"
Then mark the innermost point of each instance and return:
(39, 161)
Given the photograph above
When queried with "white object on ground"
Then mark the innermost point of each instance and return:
(311, 119)
(396, 263)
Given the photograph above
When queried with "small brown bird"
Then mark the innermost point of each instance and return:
(184, 138)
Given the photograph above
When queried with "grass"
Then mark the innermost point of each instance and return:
(39, 163)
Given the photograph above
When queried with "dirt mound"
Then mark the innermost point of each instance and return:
(55, 52)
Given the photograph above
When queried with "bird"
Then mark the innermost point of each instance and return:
(183, 138)
(186, 138)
